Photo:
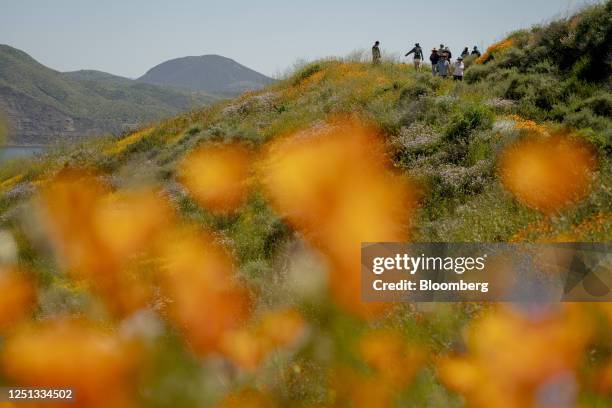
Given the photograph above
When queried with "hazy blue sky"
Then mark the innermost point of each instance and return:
(127, 37)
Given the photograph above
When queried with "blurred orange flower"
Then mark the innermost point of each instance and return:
(217, 176)
(604, 377)
(17, 297)
(510, 356)
(394, 361)
(334, 184)
(495, 49)
(547, 174)
(67, 205)
(248, 347)
(281, 327)
(101, 236)
(358, 390)
(248, 398)
(205, 298)
(97, 364)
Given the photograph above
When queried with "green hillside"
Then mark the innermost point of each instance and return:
(43, 104)
(542, 93)
(84, 75)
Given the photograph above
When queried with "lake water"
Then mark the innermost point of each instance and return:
(10, 152)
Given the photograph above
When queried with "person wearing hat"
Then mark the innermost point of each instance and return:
(434, 58)
(458, 69)
(418, 56)
(448, 53)
(376, 53)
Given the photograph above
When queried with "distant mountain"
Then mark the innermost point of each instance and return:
(97, 76)
(208, 73)
(43, 104)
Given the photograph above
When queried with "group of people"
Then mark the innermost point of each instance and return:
(440, 59)
(441, 62)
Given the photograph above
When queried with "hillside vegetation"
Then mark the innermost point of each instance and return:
(242, 224)
(43, 105)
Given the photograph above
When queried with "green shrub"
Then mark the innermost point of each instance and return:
(516, 88)
(585, 118)
(479, 149)
(536, 55)
(469, 61)
(579, 45)
(575, 88)
(414, 91)
(478, 73)
(306, 72)
(592, 38)
(600, 104)
(476, 117)
(513, 57)
(545, 66)
(193, 130)
(541, 90)
(416, 110)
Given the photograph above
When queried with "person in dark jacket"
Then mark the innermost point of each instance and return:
(476, 51)
(418, 56)
(465, 52)
(434, 58)
(376, 53)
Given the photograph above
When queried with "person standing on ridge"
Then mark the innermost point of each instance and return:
(434, 58)
(376, 53)
(418, 56)
(443, 66)
(476, 51)
(458, 69)
(465, 52)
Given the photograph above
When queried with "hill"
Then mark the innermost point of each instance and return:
(43, 104)
(208, 73)
(257, 207)
(84, 75)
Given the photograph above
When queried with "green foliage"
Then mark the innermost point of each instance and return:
(414, 91)
(538, 89)
(585, 118)
(305, 73)
(600, 104)
(471, 118)
(478, 73)
(578, 46)
(256, 232)
(488, 217)
(479, 149)
(512, 57)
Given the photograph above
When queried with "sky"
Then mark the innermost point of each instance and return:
(128, 37)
